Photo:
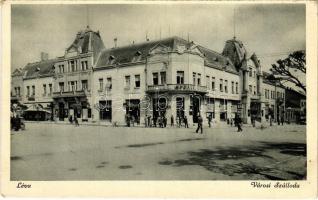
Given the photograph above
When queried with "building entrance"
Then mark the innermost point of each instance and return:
(180, 107)
(105, 110)
(195, 102)
(133, 109)
(159, 107)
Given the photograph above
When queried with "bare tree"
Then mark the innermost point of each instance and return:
(296, 61)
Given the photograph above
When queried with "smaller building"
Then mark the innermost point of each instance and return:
(38, 89)
(295, 107)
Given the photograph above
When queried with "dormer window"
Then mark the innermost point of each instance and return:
(216, 59)
(111, 59)
(37, 69)
(137, 56)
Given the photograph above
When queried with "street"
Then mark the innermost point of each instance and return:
(48, 151)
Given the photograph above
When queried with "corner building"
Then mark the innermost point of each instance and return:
(176, 77)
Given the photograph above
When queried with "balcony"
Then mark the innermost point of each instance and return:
(180, 88)
(80, 93)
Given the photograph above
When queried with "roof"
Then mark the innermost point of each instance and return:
(127, 54)
(87, 40)
(42, 68)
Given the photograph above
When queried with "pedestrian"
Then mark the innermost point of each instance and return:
(209, 120)
(185, 120)
(282, 120)
(133, 120)
(160, 122)
(127, 118)
(180, 121)
(164, 121)
(238, 123)
(71, 119)
(76, 121)
(146, 120)
(149, 120)
(154, 121)
(200, 121)
(270, 120)
(231, 122)
(172, 121)
(253, 121)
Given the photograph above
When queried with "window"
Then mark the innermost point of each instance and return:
(254, 74)
(84, 65)
(213, 84)
(221, 85)
(33, 90)
(84, 85)
(101, 84)
(199, 79)
(72, 62)
(194, 76)
(28, 90)
(236, 87)
(208, 82)
(50, 89)
(44, 89)
(250, 72)
(109, 83)
(232, 86)
(225, 86)
(61, 86)
(163, 78)
(250, 89)
(155, 78)
(61, 68)
(137, 81)
(254, 90)
(19, 91)
(72, 85)
(180, 77)
(127, 82)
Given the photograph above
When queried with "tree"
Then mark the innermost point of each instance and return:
(285, 68)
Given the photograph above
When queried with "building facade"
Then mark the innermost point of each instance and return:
(168, 77)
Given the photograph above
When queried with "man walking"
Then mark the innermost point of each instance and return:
(199, 124)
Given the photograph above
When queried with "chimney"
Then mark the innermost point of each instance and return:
(44, 56)
(115, 41)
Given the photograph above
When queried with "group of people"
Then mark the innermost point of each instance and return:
(130, 120)
(75, 120)
(16, 122)
(162, 121)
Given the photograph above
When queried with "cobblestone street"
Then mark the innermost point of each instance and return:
(64, 152)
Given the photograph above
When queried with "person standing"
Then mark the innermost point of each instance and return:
(172, 121)
(133, 120)
(76, 121)
(146, 120)
(185, 119)
(200, 121)
(164, 121)
(209, 120)
(149, 120)
(180, 122)
(238, 123)
(282, 120)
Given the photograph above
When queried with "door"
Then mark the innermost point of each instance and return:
(61, 111)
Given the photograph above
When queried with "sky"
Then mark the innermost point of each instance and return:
(269, 30)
